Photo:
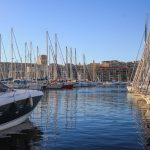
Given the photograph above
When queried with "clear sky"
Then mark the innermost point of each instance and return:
(102, 29)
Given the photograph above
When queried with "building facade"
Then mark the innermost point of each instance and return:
(105, 71)
(114, 70)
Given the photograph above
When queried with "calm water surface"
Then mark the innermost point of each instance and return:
(83, 119)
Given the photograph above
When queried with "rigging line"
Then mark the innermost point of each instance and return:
(145, 43)
(34, 58)
(50, 41)
(87, 69)
(76, 69)
(5, 57)
(76, 63)
(52, 50)
(136, 57)
(148, 43)
(50, 55)
(60, 51)
(146, 69)
(62, 58)
(17, 47)
(4, 51)
(142, 74)
(54, 56)
(73, 61)
(14, 55)
(28, 53)
(33, 53)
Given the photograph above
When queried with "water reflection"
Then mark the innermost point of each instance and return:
(88, 118)
(57, 107)
(24, 136)
(84, 118)
(141, 111)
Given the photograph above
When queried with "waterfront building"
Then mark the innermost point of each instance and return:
(105, 71)
(112, 73)
(42, 59)
(108, 71)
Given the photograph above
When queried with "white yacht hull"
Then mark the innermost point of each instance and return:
(16, 106)
(15, 122)
(54, 86)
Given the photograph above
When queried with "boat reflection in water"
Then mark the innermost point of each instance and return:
(21, 137)
(141, 111)
(83, 118)
(49, 113)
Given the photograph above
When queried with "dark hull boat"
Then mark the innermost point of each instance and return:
(67, 86)
(16, 106)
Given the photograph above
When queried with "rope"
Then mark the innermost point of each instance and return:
(136, 57)
(53, 55)
(17, 47)
(4, 51)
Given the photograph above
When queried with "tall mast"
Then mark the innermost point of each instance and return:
(25, 60)
(49, 60)
(84, 65)
(37, 52)
(12, 51)
(30, 68)
(47, 53)
(37, 75)
(75, 57)
(55, 71)
(34, 65)
(66, 62)
(77, 73)
(71, 77)
(93, 70)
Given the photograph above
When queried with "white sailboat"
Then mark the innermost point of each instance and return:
(54, 84)
(141, 78)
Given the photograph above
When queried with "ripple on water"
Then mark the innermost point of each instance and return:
(84, 118)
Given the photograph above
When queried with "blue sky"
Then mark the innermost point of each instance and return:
(101, 29)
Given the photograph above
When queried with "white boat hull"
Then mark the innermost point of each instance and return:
(16, 106)
(84, 84)
(54, 86)
(15, 122)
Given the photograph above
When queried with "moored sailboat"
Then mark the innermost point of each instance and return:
(55, 85)
(141, 79)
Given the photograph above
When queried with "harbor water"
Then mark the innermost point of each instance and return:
(83, 119)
